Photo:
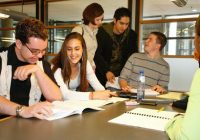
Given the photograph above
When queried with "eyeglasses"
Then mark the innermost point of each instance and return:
(35, 51)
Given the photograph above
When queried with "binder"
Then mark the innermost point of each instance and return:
(145, 118)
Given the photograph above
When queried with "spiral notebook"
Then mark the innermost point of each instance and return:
(145, 118)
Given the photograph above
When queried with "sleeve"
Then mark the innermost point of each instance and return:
(103, 55)
(103, 52)
(78, 29)
(91, 77)
(48, 71)
(66, 92)
(164, 79)
(187, 127)
(126, 71)
(132, 46)
(133, 41)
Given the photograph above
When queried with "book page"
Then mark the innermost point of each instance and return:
(117, 99)
(115, 85)
(61, 112)
(145, 118)
(148, 92)
(66, 108)
(69, 107)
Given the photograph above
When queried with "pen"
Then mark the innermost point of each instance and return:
(161, 109)
(6, 118)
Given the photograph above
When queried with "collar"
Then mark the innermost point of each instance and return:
(89, 30)
(108, 27)
(12, 56)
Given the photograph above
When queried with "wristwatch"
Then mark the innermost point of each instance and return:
(18, 110)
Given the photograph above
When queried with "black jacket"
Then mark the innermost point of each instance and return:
(104, 51)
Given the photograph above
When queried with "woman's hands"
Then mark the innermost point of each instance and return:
(102, 95)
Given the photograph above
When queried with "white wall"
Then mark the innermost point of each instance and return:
(181, 73)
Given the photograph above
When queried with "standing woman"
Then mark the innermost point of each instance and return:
(92, 20)
(73, 72)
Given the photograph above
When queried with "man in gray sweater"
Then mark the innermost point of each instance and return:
(156, 69)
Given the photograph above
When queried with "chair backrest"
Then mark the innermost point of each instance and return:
(181, 73)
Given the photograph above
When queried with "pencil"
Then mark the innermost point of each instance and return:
(6, 118)
(161, 109)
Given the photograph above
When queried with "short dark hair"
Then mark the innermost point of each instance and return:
(161, 39)
(91, 12)
(122, 12)
(30, 28)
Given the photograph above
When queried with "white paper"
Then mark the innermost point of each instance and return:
(66, 108)
(148, 92)
(145, 118)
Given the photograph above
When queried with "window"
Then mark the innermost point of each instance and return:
(64, 15)
(177, 23)
(7, 25)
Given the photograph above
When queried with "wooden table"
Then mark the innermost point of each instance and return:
(91, 125)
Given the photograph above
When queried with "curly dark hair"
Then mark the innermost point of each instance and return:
(30, 28)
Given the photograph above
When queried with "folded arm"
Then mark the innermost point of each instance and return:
(49, 89)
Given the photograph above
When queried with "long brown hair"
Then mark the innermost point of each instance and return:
(61, 60)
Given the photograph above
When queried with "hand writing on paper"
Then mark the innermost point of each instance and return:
(124, 85)
(105, 94)
(158, 89)
(126, 88)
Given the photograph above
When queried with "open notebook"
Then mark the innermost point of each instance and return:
(66, 108)
(145, 118)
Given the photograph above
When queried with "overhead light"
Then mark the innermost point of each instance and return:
(194, 10)
(179, 3)
(12, 14)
